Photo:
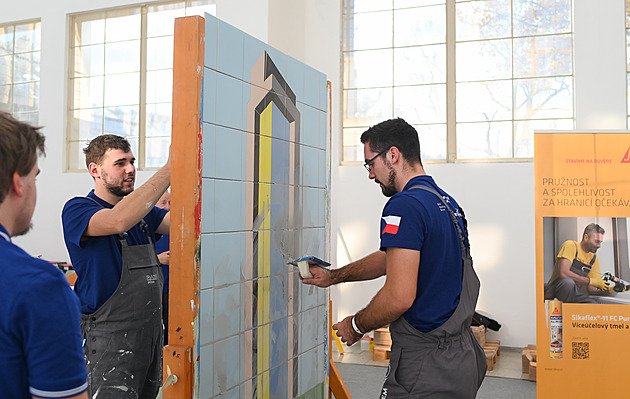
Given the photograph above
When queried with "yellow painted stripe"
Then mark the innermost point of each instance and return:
(264, 250)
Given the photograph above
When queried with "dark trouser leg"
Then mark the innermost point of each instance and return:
(567, 291)
(165, 316)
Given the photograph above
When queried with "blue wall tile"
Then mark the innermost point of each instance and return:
(230, 50)
(206, 317)
(209, 99)
(230, 107)
(227, 311)
(226, 365)
(211, 42)
(206, 361)
(208, 149)
(229, 152)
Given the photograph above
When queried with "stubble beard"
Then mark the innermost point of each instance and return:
(24, 231)
(389, 189)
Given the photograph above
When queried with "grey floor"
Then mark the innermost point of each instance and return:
(364, 377)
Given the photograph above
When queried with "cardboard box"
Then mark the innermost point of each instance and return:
(480, 334)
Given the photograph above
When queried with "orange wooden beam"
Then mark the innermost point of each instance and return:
(188, 66)
(336, 386)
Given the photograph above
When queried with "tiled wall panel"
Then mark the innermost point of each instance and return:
(264, 191)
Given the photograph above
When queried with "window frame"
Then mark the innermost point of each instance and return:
(451, 84)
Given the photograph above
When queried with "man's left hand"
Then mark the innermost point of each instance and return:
(345, 331)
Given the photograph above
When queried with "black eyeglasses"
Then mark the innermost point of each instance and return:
(368, 163)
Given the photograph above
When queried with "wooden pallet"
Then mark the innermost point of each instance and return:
(381, 352)
(492, 350)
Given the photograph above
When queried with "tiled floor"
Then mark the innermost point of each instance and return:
(508, 364)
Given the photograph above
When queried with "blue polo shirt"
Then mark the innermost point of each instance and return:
(98, 260)
(416, 219)
(41, 350)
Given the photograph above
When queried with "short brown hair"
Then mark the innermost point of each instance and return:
(97, 148)
(20, 145)
(593, 228)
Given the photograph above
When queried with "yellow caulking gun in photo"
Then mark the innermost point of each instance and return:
(306, 262)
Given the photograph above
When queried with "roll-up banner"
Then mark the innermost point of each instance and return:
(582, 263)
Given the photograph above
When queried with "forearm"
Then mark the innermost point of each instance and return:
(367, 268)
(386, 307)
(131, 209)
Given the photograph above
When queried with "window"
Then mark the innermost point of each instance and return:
(19, 70)
(474, 77)
(121, 78)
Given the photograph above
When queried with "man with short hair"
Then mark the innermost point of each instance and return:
(431, 288)
(40, 335)
(576, 276)
(110, 236)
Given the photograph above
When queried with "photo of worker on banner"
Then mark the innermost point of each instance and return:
(586, 260)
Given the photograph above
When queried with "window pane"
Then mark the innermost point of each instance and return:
(420, 65)
(424, 25)
(483, 20)
(366, 107)
(26, 67)
(160, 86)
(89, 32)
(88, 92)
(31, 118)
(352, 146)
(119, 26)
(486, 60)
(536, 17)
(123, 89)
(89, 60)
(484, 101)
(543, 98)
(159, 120)
(85, 124)
(161, 19)
(160, 53)
(524, 134)
(416, 3)
(6, 40)
(122, 57)
(432, 141)
(369, 68)
(122, 121)
(6, 97)
(351, 6)
(26, 97)
(6, 68)
(484, 140)
(421, 104)
(542, 56)
(369, 31)
(27, 37)
(157, 151)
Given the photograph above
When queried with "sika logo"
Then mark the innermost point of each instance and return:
(626, 158)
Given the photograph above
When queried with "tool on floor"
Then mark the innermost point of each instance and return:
(306, 262)
(619, 284)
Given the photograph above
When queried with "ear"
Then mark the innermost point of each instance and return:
(16, 184)
(94, 170)
(396, 155)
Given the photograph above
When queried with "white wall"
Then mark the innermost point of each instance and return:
(498, 197)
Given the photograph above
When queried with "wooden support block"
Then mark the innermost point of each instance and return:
(532, 371)
(382, 336)
(496, 343)
(178, 359)
(528, 355)
(491, 358)
(494, 347)
(480, 334)
(381, 352)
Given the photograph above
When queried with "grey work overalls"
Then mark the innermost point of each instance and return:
(447, 362)
(123, 338)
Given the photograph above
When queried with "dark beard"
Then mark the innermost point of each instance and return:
(26, 230)
(389, 189)
(118, 191)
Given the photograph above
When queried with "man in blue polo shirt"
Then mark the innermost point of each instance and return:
(431, 288)
(110, 236)
(40, 336)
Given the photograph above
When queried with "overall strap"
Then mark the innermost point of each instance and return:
(576, 255)
(464, 244)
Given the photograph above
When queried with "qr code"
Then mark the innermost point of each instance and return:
(580, 350)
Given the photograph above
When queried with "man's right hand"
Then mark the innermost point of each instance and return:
(321, 277)
(600, 284)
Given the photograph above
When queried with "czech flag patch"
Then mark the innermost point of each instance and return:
(392, 223)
